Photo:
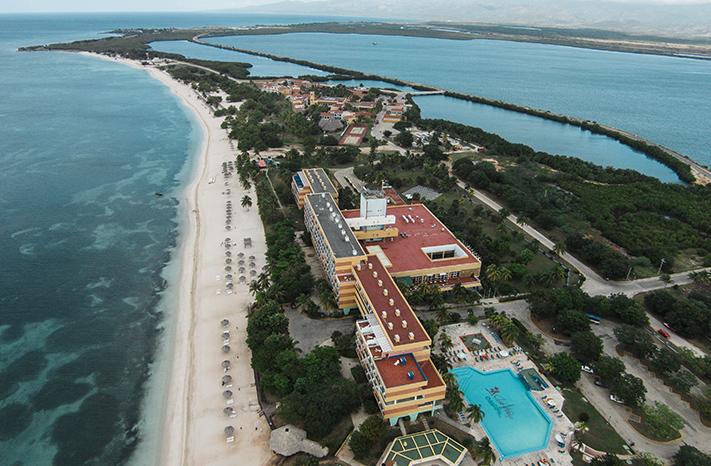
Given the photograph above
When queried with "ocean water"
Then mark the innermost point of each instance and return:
(664, 99)
(86, 245)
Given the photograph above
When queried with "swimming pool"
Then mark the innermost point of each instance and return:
(513, 420)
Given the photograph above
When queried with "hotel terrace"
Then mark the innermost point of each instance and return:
(363, 252)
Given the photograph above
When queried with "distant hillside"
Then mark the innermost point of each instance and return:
(685, 20)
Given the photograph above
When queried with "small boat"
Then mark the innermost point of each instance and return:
(375, 43)
(159, 194)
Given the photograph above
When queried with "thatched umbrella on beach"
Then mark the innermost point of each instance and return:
(227, 394)
(228, 253)
(228, 261)
(228, 228)
(228, 276)
(241, 255)
(227, 378)
(252, 258)
(224, 322)
(225, 334)
(253, 282)
(228, 221)
(228, 285)
(241, 269)
(242, 278)
(253, 272)
(229, 430)
(228, 410)
(228, 268)
(226, 348)
(252, 265)
(226, 364)
(240, 262)
(228, 239)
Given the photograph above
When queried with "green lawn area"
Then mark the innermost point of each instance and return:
(600, 436)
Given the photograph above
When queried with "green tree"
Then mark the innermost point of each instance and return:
(666, 362)
(246, 202)
(360, 445)
(475, 413)
(526, 256)
(684, 380)
(564, 367)
(629, 389)
(509, 332)
(690, 456)
(445, 342)
(570, 321)
(454, 400)
(404, 139)
(586, 345)
(609, 368)
(483, 452)
(663, 422)
(608, 460)
(635, 340)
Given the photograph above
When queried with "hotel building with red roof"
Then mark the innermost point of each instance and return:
(363, 252)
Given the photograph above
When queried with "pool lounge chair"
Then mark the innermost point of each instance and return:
(552, 460)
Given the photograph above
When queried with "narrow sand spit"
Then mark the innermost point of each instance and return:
(194, 417)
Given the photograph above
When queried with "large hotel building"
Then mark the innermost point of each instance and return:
(364, 253)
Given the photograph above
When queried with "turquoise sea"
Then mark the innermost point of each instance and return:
(86, 244)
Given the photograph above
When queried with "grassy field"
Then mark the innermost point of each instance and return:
(600, 435)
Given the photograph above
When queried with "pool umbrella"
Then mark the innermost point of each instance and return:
(226, 364)
(225, 322)
(229, 430)
(227, 394)
(227, 378)
(226, 349)
(228, 410)
(228, 268)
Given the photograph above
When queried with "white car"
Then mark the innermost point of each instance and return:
(587, 369)
(616, 400)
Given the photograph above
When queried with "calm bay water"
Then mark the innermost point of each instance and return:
(666, 100)
(85, 244)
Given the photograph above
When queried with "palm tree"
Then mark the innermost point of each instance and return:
(328, 300)
(557, 272)
(528, 281)
(450, 380)
(441, 314)
(497, 320)
(475, 414)
(455, 400)
(559, 248)
(247, 202)
(445, 342)
(523, 221)
(302, 301)
(483, 452)
(700, 276)
(509, 332)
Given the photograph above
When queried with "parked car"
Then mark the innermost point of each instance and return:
(663, 333)
(600, 383)
(616, 400)
(587, 369)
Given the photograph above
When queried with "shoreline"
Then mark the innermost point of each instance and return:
(191, 419)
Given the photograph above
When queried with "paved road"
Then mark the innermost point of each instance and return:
(346, 177)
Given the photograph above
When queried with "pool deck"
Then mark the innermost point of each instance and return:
(562, 426)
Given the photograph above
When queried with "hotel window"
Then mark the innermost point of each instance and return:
(454, 275)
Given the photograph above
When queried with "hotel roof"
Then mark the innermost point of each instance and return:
(340, 238)
(375, 286)
(318, 180)
(425, 446)
(421, 230)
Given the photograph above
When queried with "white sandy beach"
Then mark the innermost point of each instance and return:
(194, 421)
